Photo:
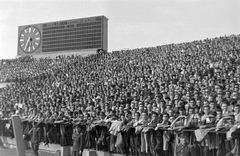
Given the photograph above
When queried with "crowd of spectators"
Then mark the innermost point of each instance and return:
(194, 84)
(23, 68)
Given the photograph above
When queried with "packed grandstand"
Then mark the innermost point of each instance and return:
(146, 98)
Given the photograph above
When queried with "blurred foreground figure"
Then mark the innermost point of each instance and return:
(35, 138)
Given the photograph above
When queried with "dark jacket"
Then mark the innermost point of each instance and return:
(36, 135)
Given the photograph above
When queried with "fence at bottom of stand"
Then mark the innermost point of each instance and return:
(161, 142)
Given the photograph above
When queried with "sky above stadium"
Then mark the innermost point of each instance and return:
(132, 23)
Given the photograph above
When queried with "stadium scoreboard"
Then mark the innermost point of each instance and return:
(63, 36)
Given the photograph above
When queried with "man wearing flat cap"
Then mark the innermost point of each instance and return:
(183, 148)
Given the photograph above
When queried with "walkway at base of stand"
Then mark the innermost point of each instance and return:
(13, 152)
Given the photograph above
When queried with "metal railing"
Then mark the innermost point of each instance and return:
(128, 141)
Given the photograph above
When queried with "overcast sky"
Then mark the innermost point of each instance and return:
(132, 23)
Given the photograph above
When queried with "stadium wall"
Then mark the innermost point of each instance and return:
(82, 53)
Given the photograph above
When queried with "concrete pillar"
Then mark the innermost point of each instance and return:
(17, 128)
(1, 143)
(65, 151)
(87, 152)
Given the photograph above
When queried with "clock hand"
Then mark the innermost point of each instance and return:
(30, 42)
(27, 43)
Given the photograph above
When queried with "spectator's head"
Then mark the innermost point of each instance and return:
(171, 119)
(229, 119)
(191, 111)
(183, 138)
(144, 115)
(102, 115)
(212, 116)
(181, 111)
(165, 117)
(170, 112)
(196, 110)
(224, 106)
(137, 116)
(154, 116)
(219, 114)
(237, 108)
(206, 109)
(128, 115)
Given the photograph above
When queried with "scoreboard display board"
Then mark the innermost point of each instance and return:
(63, 36)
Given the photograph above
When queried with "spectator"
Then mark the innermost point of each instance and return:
(35, 138)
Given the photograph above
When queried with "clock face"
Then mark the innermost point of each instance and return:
(30, 39)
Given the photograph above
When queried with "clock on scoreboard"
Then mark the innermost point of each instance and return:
(29, 39)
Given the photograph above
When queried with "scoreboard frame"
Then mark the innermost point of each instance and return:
(74, 35)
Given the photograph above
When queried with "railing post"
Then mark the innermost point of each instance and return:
(18, 135)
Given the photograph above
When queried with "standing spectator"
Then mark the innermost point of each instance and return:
(182, 147)
(76, 141)
(36, 138)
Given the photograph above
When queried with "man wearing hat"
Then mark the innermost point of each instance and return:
(76, 137)
(183, 148)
